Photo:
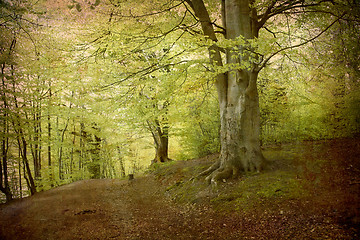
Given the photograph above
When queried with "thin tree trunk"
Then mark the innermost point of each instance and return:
(72, 150)
(4, 183)
(121, 162)
(36, 147)
(94, 166)
(49, 159)
(49, 131)
(82, 145)
(22, 143)
(28, 175)
(20, 182)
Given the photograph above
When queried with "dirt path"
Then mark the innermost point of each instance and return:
(103, 209)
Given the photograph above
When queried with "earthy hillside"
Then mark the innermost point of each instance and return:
(307, 191)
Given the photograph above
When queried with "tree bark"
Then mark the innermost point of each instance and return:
(36, 146)
(237, 91)
(161, 141)
(94, 167)
(27, 172)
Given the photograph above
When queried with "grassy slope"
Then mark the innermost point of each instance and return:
(307, 190)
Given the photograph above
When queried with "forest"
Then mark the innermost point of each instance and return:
(94, 89)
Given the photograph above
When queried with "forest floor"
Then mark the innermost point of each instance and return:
(308, 191)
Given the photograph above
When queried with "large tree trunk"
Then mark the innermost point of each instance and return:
(237, 92)
(161, 154)
(161, 141)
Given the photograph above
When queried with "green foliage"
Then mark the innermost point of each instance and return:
(310, 92)
(200, 130)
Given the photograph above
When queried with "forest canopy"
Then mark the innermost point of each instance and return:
(103, 88)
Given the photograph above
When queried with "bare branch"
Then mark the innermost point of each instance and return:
(300, 44)
(272, 11)
(222, 29)
(265, 16)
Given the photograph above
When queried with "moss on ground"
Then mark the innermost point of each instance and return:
(262, 190)
(251, 191)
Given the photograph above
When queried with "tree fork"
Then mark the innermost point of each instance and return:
(237, 92)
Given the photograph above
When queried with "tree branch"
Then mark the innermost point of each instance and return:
(272, 11)
(300, 44)
(265, 16)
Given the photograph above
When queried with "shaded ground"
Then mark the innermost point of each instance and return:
(308, 191)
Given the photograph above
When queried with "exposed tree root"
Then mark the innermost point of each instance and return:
(221, 174)
(224, 169)
(211, 169)
(216, 173)
(161, 160)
